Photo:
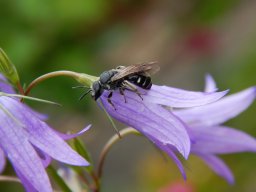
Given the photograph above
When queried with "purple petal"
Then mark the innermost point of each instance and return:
(221, 140)
(46, 159)
(41, 116)
(150, 119)
(219, 167)
(26, 184)
(176, 160)
(42, 136)
(13, 140)
(210, 85)
(179, 98)
(220, 111)
(2, 161)
(71, 136)
(5, 86)
(49, 142)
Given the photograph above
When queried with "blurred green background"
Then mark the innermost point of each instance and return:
(188, 38)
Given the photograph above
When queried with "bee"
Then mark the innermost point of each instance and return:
(124, 78)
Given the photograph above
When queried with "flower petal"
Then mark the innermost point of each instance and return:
(13, 140)
(5, 86)
(49, 142)
(179, 98)
(45, 158)
(71, 136)
(150, 119)
(2, 161)
(221, 140)
(41, 116)
(42, 136)
(26, 184)
(220, 111)
(210, 85)
(219, 167)
(176, 160)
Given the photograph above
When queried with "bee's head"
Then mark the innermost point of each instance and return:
(96, 90)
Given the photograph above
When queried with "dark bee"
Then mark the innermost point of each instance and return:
(123, 78)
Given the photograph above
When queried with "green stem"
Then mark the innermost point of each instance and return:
(84, 79)
(9, 179)
(114, 139)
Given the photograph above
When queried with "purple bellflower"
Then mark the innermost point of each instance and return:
(29, 143)
(148, 116)
(209, 137)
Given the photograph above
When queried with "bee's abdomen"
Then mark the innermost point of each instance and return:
(141, 81)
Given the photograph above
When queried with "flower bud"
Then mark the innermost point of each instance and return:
(8, 69)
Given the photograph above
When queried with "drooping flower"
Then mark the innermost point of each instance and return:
(158, 124)
(209, 137)
(29, 143)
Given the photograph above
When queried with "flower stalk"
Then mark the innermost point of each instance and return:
(82, 78)
(114, 139)
(9, 179)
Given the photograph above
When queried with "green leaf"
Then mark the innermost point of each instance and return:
(8, 69)
(61, 183)
(81, 150)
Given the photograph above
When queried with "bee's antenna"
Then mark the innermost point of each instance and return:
(84, 94)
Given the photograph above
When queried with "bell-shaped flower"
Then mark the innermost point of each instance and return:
(29, 143)
(209, 137)
(148, 116)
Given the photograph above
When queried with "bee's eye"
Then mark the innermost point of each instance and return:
(96, 86)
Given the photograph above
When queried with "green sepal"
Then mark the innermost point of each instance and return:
(58, 179)
(80, 148)
(29, 98)
(8, 69)
(86, 79)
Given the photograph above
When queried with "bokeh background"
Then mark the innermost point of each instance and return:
(188, 38)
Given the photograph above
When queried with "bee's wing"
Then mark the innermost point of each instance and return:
(147, 68)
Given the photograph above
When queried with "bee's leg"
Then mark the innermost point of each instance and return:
(132, 87)
(121, 90)
(109, 99)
